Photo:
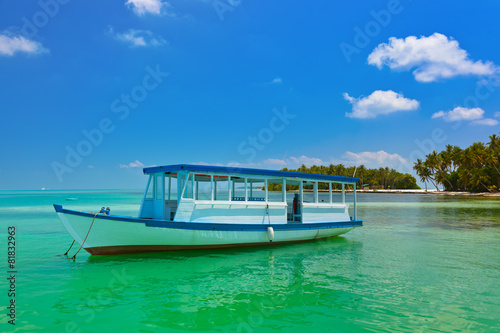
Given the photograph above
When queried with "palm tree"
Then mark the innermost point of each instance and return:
(341, 171)
(422, 172)
(491, 159)
(393, 177)
(493, 152)
(470, 159)
(494, 143)
(475, 168)
(361, 175)
(434, 163)
(455, 153)
(383, 176)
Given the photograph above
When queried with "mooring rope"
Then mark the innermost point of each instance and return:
(69, 248)
(74, 256)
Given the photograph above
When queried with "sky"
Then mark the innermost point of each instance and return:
(93, 91)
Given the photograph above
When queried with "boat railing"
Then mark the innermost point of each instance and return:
(324, 205)
(248, 199)
(261, 203)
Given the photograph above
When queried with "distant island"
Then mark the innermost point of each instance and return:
(381, 178)
(473, 169)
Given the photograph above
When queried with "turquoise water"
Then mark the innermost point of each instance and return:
(421, 263)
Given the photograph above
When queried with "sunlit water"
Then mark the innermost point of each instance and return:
(421, 263)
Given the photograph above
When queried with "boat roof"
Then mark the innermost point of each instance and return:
(236, 171)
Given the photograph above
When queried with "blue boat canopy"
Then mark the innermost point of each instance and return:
(247, 171)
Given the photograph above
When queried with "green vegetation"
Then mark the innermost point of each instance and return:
(473, 169)
(382, 178)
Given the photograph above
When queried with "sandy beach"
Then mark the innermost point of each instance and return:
(481, 194)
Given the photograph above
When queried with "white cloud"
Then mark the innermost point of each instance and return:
(137, 38)
(307, 161)
(276, 81)
(91, 167)
(375, 159)
(497, 114)
(290, 162)
(474, 115)
(10, 44)
(369, 159)
(379, 103)
(231, 164)
(142, 7)
(434, 57)
(485, 121)
(460, 113)
(135, 164)
(272, 163)
(439, 114)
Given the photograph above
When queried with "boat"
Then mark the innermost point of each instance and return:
(188, 207)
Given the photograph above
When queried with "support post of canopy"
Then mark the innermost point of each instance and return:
(169, 185)
(283, 189)
(265, 185)
(315, 189)
(234, 189)
(215, 188)
(212, 188)
(301, 200)
(330, 196)
(246, 189)
(195, 194)
(354, 186)
(301, 192)
(343, 193)
(229, 188)
(163, 189)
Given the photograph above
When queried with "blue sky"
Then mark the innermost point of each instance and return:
(92, 91)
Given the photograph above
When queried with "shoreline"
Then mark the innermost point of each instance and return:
(434, 192)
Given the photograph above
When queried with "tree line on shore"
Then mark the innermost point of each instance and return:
(381, 178)
(473, 169)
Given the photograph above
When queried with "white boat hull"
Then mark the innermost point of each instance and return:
(120, 235)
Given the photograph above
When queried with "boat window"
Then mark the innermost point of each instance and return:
(308, 194)
(159, 186)
(221, 188)
(203, 187)
(292, 187)
(336, 193)
(349, 197)
(188, 191)
(149, 193)
(275, 187)
(172, 188)
(293, 200)
(323, 192)
(256, 190)
(238, 189)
